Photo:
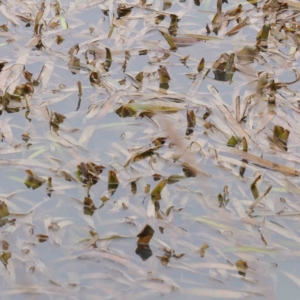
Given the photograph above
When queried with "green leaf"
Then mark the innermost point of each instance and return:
(173, 25)
(201, 65)
(113, 181)
(245, 144)
(89, 206)
(156, 192)
(108, 59)
(3, 210)
(232, 142)
(5, 257)
(33, 181)
(170, 40)
(169, 210)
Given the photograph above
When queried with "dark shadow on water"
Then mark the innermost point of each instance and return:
(143, 251)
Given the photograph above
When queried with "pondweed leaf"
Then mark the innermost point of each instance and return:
(224, 67)
(247, 54)
(113, 181)
(145, 235)
(33, 181)
(156, 192)
(242, 267)
(189, 171)
(173, 25)
(232, 142)
(89, 206)
(201, 65)
(3, 210)
(42, 238)
(217, 142)
(123, 10)
(191, 122)
(170, 41)
(5, 257)
(203, 249)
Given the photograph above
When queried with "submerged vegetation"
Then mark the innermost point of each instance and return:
(149, 149)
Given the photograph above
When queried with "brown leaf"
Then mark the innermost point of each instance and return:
(242, 267)
(145, 235)
(89, 206)
(33, 181)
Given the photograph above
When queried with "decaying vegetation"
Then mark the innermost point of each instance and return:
(149, 148)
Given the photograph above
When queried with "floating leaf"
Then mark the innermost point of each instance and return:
(178, 256)
(174, 178)
(49, 186)
(55, 120)
(156, 192)
(5, 245)
(3, 209)
(74, 65)
(254, 2)
(5, 257)
(113, 181)
(167, 4)
(143, 251)
(247, 54)
(24, 89)
(221, 200)
(89, 172)
(159, 19)
(232, 142)
(203, 249)
(262, 37)
(133, 187)
(3, 28)
(156, 177)
(191, 122)
(242, 267)
(164, 78)
(282, 135)
(139, 77)
(89, 206)
(59, 39)
(235, 11)
(123, 10)
(170, 41)
(145, 235)
(264, 163)
(201, 65)
(165, 259)
(238, 27)
(33, 181)
(262, 83)
(139, 156)
(147, 189)
(108, 61)
(169, 210)
(42, 238)
(245, 144)
(189, 171)
(125, 111)
(224, 67)
(159, 142)
(173, 25)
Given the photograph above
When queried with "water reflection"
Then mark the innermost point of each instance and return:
(143, 251)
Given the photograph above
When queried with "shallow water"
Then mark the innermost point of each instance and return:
(66, 241)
